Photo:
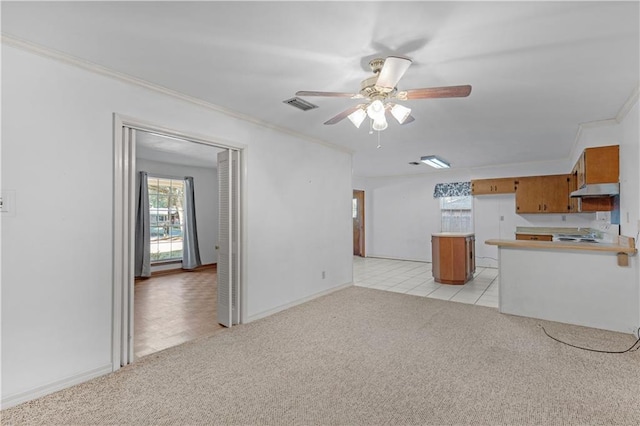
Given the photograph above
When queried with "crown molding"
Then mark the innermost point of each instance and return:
(631, 101)
(46, 52)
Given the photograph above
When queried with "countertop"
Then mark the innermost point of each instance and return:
(453, 234)
(564, 245)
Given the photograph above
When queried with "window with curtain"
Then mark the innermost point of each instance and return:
(456, 206)
(166, 218)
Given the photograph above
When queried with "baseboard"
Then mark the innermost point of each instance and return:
(178, 270)
(280, 308)
(375, 256)
(19, 398)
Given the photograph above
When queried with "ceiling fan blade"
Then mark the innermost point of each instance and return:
(344, 114)
(329, 94)
(392, 71)
(435, 92)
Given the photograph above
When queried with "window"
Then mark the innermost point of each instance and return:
(166, 208)
(456, 214)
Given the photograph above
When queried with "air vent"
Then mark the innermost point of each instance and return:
(300, 104)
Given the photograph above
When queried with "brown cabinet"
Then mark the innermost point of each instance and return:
(453, 257)
(543, 194)
(595, 165)
(534, 237)
(599, 165)
(493, 186)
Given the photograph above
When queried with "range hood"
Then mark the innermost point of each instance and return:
(597, 190)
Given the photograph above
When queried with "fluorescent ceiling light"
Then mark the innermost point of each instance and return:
(436, 162)
(400, 112)
(357, 117)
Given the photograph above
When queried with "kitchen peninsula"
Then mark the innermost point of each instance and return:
(581, 283)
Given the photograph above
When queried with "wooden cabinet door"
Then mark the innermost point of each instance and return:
(601, 164)
(543, 194)
(574, 203)
(492, 186)
(529, 194)
(534, 237)
(555, 197)
(579, 170)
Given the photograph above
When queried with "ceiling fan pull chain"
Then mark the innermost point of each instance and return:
(379, 146)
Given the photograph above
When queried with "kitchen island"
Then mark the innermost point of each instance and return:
(578, 283)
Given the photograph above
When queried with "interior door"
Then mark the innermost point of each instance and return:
(228, 304)
(358, 223)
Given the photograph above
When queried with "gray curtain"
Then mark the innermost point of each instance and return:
(190, 251)
(142, 267)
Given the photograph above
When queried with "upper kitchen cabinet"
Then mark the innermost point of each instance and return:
(493, 186)
(598, 165)
(543, 194)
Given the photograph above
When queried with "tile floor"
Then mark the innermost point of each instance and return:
(403, 276)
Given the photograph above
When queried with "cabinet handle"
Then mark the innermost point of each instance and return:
(534, 238)
(545, 207)
(539, 207)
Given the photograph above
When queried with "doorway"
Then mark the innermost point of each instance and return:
(175, 301)
(232, 205)
(358, 223)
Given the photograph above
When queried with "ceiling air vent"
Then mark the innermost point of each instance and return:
(300, 104)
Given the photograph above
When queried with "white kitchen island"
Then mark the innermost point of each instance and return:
(574, 283)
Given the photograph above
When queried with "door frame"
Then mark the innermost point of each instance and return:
(124, 166)
(361, 211)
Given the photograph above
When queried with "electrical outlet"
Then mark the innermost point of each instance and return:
(324, 275)
(564, 218)
(7, 203)
(501, 218)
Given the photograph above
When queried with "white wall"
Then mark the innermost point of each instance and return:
(57, 142)
(205, 186)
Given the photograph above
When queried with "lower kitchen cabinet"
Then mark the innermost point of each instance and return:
(534, 237)
(453, 257)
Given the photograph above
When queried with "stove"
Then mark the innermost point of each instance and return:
(577, 238)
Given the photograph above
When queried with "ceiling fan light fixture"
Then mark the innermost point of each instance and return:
(435, 161)
(380, 124)
(357, 117)
(400, 112)
(375, 110)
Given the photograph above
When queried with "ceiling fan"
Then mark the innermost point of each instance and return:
(381, 92)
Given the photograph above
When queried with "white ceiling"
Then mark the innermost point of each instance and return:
(538, 69)
(164, 149)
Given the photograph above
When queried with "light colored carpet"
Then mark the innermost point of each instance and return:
(366, 357)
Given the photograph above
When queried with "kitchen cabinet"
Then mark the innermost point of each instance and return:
(493, 186)
(543, 194)
(453, 257)
(595, 165)
(598, 165)
(534, 237)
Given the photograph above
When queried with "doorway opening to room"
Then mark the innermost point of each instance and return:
(358, 223)
(178, 220)
(175, 300)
